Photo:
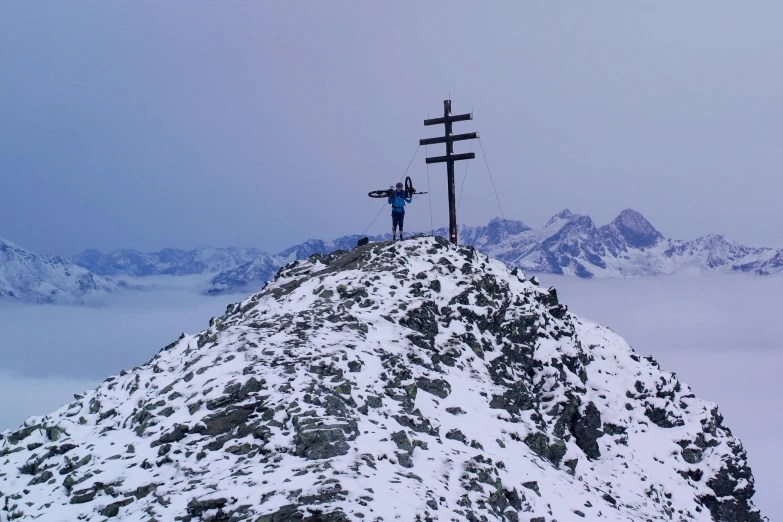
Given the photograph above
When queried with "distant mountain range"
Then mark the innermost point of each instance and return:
(629, 246)
(169, 261)
(569, 244)
(26, 276)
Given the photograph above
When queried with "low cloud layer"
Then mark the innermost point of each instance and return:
(23, 397)
(49, 352)
(111, 333)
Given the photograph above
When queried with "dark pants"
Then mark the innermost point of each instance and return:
(397, 217)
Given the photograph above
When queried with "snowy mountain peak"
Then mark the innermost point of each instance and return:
(506, 226)
(399, 381)
(27, 276)
(636, 230)
(6, 244)
(564, 215)
(496, 231)
(567, 223)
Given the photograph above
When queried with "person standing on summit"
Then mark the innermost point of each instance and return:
(397, 200)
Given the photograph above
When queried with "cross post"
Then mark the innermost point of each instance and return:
(449, 159)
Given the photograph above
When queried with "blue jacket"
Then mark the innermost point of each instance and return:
(397, 200)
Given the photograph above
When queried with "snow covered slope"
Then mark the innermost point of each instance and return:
(46, 279)
(406, 381)
(168, 261)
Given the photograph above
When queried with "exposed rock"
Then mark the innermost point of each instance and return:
(438, 387)
(322, 443)
(586, 431)
(198, 507)
(515, 399)
(113, 509)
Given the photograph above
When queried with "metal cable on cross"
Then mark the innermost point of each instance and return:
(505, 225)
(464, 177)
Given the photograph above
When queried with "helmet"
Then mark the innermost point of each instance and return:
(399, 185)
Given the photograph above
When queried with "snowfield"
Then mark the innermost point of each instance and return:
(410, 381)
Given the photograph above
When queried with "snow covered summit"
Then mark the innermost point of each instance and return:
(398, 381)
(634, 229)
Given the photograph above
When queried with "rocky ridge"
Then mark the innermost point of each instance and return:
(412, 381)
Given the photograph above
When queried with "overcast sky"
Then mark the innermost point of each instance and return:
(145, 124)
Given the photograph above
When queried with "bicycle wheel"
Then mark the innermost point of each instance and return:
(409, 190)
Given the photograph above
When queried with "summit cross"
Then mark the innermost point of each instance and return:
(448, 138)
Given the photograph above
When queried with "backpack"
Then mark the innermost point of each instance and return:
(400, 208)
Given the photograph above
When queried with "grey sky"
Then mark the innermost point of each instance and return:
(150, 124)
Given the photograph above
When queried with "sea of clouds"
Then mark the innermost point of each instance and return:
(721, 334)
(49, 352)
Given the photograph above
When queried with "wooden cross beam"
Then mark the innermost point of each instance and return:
(448, 138)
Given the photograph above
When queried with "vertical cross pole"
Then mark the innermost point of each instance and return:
(449, 138)
(450, 173)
